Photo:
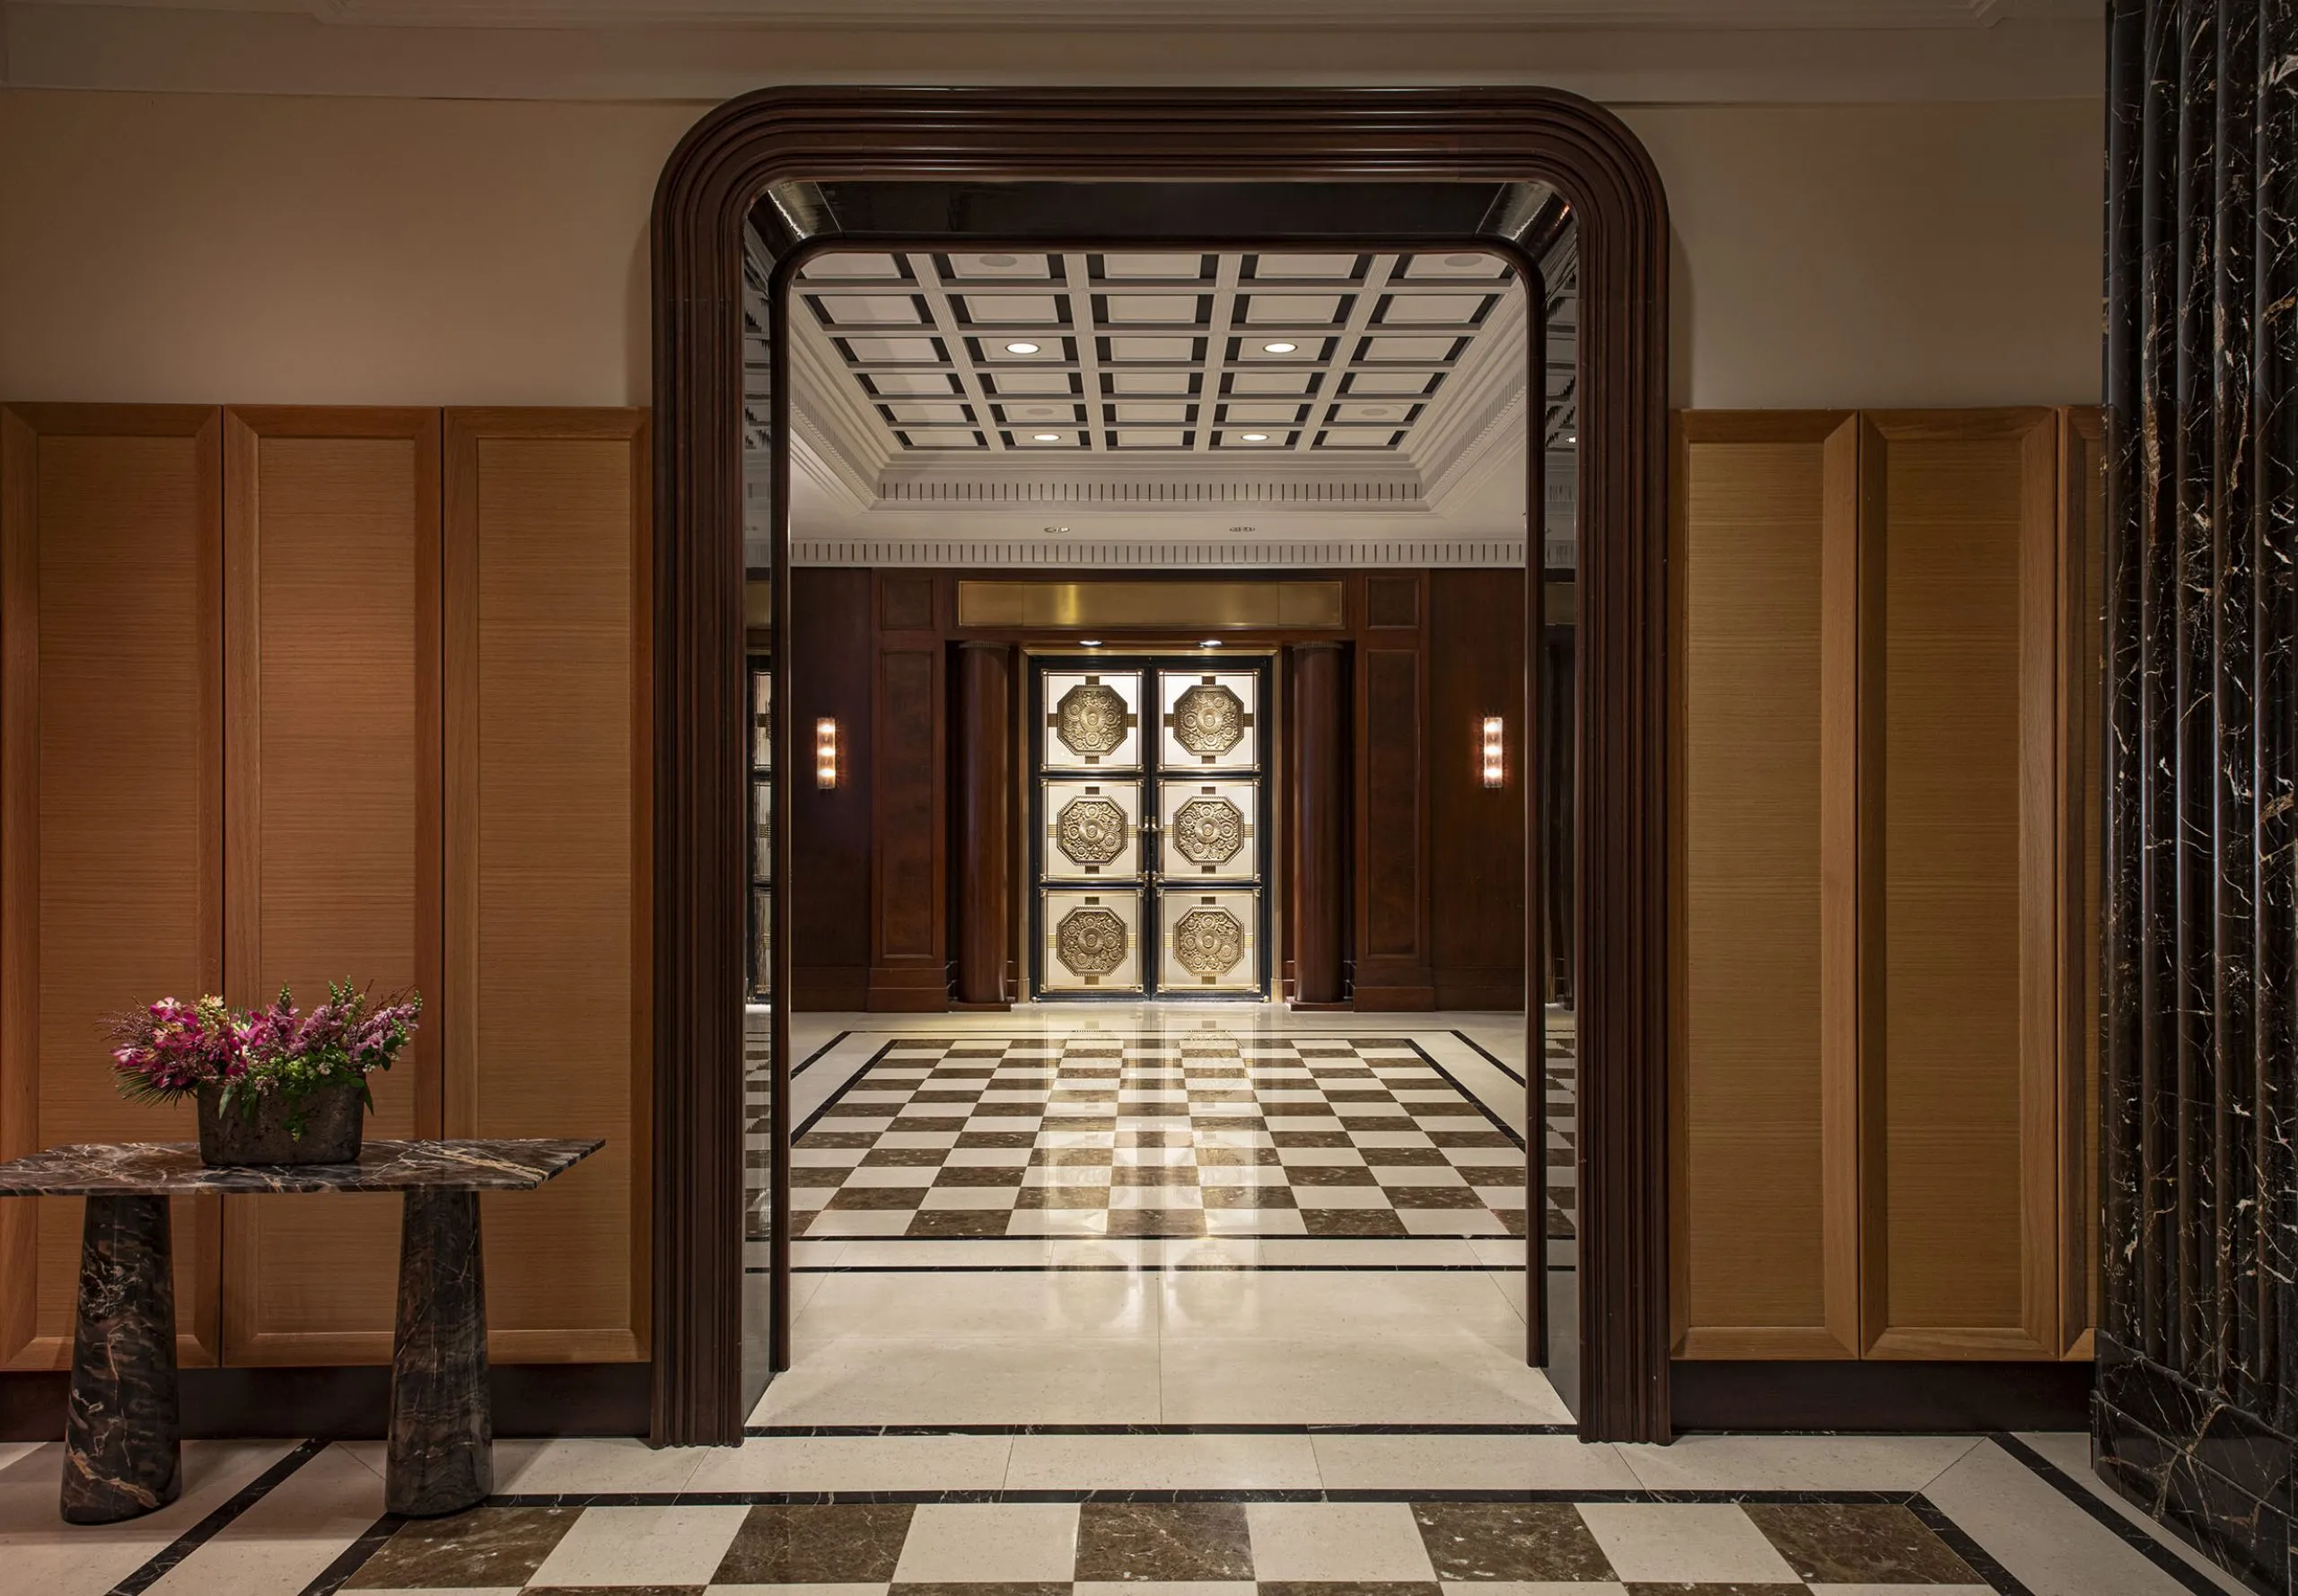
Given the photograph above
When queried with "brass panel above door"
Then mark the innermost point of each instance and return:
(1197, 605)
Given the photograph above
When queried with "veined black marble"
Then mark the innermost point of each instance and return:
(442, 1456)
(121, 1443)
(382, 1166)
(122, 1452)
(2197, 1414)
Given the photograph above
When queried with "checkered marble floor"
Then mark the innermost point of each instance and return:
(1195, 1133)
(1203, 1547)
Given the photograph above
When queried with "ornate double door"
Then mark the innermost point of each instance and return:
(1149, 826)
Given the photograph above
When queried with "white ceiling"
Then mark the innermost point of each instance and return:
(1151, 421)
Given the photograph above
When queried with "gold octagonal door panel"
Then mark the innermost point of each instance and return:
(1092, 831)
(1091, 941)
(1092, 721)
(1209, 830)
(1209, 719)
(1209, 941)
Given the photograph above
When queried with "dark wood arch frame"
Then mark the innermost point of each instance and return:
(818, 134)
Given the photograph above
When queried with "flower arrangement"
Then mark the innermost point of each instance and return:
(170, 1050)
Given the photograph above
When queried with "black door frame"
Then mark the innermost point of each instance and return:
(784, 136)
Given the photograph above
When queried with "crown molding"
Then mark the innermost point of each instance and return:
(1103, 554)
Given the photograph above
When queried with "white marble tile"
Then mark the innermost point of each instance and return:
(1681, 1542)
(1339, 1305)
(2070, 1449)
(46, 1555)
(11, 1451)
(282, 1542)
(941, 1307)
(1164, 1587)
(2047, 1542)
(1470, 1463)
(1796, 1462)
(592, 1464)
(1163, 1462)
(1456, 1380)
(977, 1380)
(990, 1542)
(642, 1546)
(1358, 1541)
(856, 1463)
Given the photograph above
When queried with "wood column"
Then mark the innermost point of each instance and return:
(1320, 825)
(985, 822)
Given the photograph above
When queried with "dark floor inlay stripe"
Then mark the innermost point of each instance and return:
(214, 1524)
(2156, 1553)
(1958, 1541)
(355, 1557)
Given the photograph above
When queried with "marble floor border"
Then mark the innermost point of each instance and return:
(786, 1431)
(156, 1567)
(2091, 1503)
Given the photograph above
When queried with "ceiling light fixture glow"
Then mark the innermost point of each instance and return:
(1021, 346)
(1255, 437)
(1279, 347)
(1056, 528)
(1089, 643)
(1048, 437)
(1210, 643)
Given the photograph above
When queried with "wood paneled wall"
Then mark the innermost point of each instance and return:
(1477, 880)
(1395, 963)
(830, 635)
(549, 913)
(1874, 947)
(111, 795)
(1765, 1224)
(235, 657)
(331, 817)
(909, 927)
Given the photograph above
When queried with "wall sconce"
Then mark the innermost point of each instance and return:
(825, 753)
(1496, 765)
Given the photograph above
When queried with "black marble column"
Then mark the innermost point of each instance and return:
(122, 1455)
(2196, 1411)
(442, 1424)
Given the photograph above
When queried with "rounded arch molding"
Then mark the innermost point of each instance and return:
(822, 134)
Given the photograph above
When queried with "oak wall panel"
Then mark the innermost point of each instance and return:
(1765, 1055)
(547, 860)
(332, 822)
(1477, 878)
(110, 812)
(1960, 1159)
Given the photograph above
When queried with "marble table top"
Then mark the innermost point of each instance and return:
(150, 1167)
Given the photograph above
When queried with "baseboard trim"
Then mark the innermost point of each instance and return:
(354, 1403)
(1891, 1396)
(828, 990)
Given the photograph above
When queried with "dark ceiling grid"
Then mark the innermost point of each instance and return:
(1151, 353)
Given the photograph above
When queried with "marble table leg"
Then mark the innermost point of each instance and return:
(122, 1434)
(441, 1457)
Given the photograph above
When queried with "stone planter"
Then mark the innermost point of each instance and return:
(333, 1119)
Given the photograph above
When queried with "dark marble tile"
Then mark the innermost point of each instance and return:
(1089, 1158)
(153, 1167)
(959, 1223)
(1153, 1174)
(841, 1543)
(1156, 1222)
(983, 1588)
(1239, 1157)
(1707, 1590)
(839, 1139)
(1163, 1540)
(1846, 1544)
(1062, 1197)
(616, 1590)
(487, 1546)
(1352, 1222)
(904, 1158)
(1249, 1197)
(1329, 1174)
(1510, 1540)
(878, 1196)
(969, 1174)
(1403, 1157)
(1350, 1588)
(1094, 1122)
(997, 1138)
(1470, 1138)
(910, 1124)
(1309, 1138)
(1434, 1197)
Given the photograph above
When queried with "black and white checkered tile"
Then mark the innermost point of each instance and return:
(979, 1136)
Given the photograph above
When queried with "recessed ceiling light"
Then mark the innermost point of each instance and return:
(1089, 643)
(1210, 643)
(1255, 437)
(1056, 528)
(1020, 348)
(1279, 347)
(1572, 437)
(997, 260)
(1048, 437)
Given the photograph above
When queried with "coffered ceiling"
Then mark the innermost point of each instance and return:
(1116, 407)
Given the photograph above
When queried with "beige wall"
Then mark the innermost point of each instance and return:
(300, 250)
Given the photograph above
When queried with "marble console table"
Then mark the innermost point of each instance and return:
(122, 1454)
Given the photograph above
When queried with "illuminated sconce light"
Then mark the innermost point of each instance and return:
(1495, 764)
(825, 753)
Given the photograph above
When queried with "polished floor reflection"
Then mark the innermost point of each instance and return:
(1219, 1403)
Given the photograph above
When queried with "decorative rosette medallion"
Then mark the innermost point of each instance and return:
(1090, 943)
(1209, 943)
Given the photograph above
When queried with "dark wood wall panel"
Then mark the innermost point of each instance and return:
(1393, 953)
(909, 956)
(831, 668)
(1476, 882)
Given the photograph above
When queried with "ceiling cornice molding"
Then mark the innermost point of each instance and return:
(1102, 554)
